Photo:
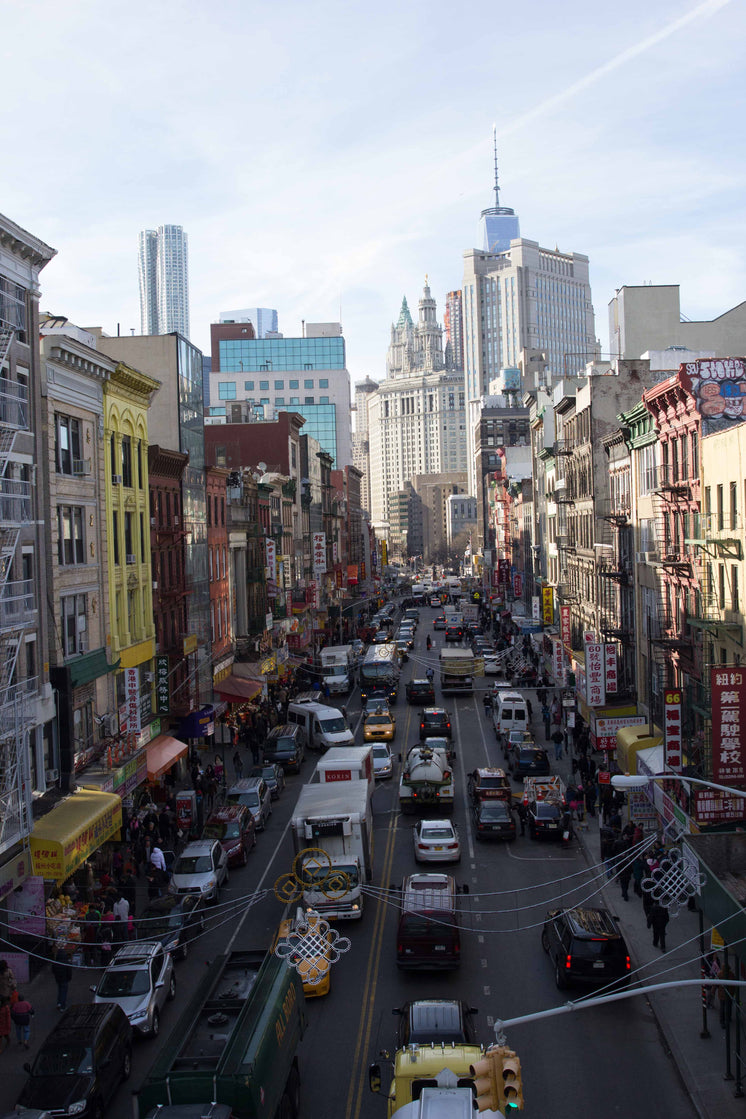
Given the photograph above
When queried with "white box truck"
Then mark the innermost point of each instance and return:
(346, 763)
(337, 818)
(336, 668)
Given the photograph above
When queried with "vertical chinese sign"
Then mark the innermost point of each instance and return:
(547, 605)
(132, 699)
(728, 720)
(610, 668)
(517, 584)
(672, 728)
(565, 627)
(594, 674)
(271, 553)
(318, 548)
(162, 689)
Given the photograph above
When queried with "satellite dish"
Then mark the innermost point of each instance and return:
(262, 466)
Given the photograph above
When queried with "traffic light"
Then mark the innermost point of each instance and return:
(487, 1075)
(512, 1084)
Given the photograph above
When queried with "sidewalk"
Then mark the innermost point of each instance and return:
(701, 1061)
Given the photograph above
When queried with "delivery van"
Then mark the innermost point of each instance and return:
(324, 726)
(509, 712)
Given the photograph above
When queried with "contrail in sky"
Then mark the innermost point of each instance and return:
(702, 11)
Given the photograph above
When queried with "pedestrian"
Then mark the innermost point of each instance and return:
(487, 701)
(522, 814)
(154, 885)
(7, 982)
(658, 922)
(22, 1012)
(557, 739)
(237, 766)
(546, 715)
(62, 973)
(255, 748)
(638, 873)
(591, 792)
(158, 859)
(625, 877)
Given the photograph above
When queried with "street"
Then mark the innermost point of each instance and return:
(602, 1062)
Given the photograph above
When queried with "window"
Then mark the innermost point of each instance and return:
(295, 400)
(733, 506)
(279, 386)
(227, 390)
(323, 400)
(279, 402)
(720, 513)
(68, 444)
(293, 384)
(128, 542)
(115, 537)
(308, 384)
(264, 386)
(734, 588)
(142, 538)
(71, 545)
(308, 400)
(323, 382)
(139, 463)
(74, 609)
(248, 386)
(126, 461)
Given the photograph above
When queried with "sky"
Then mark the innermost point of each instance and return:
(325, 158)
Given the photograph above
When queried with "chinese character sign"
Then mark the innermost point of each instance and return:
(565, 627)
(610, 666)
(271, 557)
(162, 690)
(318, 548)
(536, 608)
(558, 662)
(594, 674)
(728, 720)
(517, 584)
(547, 605)
(132, 694)
(672, 728)
(503, 567)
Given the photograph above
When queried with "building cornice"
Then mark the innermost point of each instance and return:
(23, 244)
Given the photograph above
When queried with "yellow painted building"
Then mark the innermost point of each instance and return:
(131, 630)
(720, 536)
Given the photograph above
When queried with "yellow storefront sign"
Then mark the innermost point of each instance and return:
(547, 605)
(190, 644)
(63, 839)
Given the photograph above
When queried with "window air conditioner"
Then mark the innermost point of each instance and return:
(131, 559)
(51, 776)
(116, 479)
(152, 522)
(81, 466)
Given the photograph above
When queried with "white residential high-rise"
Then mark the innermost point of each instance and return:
(416, 417)
(164, 280)
(360, 440)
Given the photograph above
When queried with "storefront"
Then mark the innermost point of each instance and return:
(68, 835)
(240, 689)
(162, 753)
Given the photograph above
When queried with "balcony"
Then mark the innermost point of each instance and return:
(14, 409)
(17, 604)
(15, 501)
(669, 480)
(718, 534)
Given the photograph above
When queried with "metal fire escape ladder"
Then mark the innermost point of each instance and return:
(6, 337)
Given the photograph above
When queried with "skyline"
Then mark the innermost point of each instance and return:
(347, 191)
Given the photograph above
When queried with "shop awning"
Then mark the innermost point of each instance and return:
(238, 689)
(163, 751)
(83, 670)
(68, 835)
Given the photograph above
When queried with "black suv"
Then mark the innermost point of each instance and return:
(435, 721)
(420, 691)
(82, 1061)
(528, 761)
(285, 745)
(586, 946)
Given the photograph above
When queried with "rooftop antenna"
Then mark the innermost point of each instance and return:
(494, 144)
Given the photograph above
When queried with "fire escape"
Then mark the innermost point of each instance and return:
(17, 599)
(673, 639)
(615, 555)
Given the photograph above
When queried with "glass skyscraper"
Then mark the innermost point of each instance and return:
(164, 280)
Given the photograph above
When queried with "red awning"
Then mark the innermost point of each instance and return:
(162, 752)
(237, 689)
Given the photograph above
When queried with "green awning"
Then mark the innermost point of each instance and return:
(90, 667)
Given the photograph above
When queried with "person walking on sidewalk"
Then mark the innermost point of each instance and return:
(557, 739)
(22, 1012)
(62, 973)
(659, 921)
(625, 877)
(238, 765)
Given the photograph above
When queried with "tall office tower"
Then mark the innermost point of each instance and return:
(416, 416)
(164, 281)
(521, 303)
(453, 325)
(360, 438)
(255, 378)
(498, 225)
(263, 319)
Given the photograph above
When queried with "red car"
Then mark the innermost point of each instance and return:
(233, 826)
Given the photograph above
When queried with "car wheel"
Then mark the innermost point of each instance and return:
(155, 1026)
(559, 979)
(127, 1064)
(172, 988)
(544, 940)
(244, 856)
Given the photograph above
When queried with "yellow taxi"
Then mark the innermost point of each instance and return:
(379, 725)
(313, 965)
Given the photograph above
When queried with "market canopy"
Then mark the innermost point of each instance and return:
(163, 751)
(238, 689)
(68, 835)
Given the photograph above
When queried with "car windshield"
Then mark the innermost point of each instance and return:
(436, 833)
(216, 831)
(321, 876)
(547, 812)
(333, 726)
(158, 924)
(529, 755)
(378, 720)
(336, 670)
(123, 983)
(380, 752)
(193, 864)
(494, 810)
(64, 1060)
(492, 783)
(597, 947)
(283, 746)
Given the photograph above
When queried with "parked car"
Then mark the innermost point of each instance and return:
(139, 979)
(383, 763)
(201, 868)
(528, 761)
(435, 721)
(493, 819)
(420, 691)
(174, 920)
(436, 841)
(81, 1063)
(274, 777)
(254, 793)
(234, 828)
(438, 1021)
(586, 946)
(285, 745)
(544, 819)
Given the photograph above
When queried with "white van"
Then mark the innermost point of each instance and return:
(324, 726)
(509, 712)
